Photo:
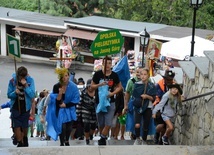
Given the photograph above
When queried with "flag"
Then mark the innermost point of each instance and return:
(122, 70)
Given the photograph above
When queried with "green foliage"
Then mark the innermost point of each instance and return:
(171, 12)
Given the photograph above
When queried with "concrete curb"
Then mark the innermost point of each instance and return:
(111, 150)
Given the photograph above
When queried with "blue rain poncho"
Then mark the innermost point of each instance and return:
(54, 126)
(104, 101)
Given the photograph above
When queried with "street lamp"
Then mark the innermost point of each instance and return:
(39, 5)
(195, 4)
(144, 40)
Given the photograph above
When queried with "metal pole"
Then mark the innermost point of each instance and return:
(39, 5)
(193, 32)
(143, 55)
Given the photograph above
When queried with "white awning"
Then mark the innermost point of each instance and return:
(81, 34)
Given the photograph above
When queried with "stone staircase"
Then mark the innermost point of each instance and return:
(36, 142)
(194, 124)
(113, 147)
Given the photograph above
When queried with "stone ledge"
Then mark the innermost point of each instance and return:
(202, 63)
(210, 56)
(188, 68)
(112, 150)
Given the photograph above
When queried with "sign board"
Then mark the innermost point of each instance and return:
(107, 43)
(13, 45)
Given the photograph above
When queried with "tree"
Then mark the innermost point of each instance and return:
(170, 12)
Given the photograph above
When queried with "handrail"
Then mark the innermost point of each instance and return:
(198, 96)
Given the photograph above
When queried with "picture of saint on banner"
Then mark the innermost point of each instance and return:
(154, 49)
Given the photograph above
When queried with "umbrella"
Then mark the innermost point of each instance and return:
(180, 48)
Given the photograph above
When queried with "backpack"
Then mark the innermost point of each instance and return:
(133, 80)
(119, 102)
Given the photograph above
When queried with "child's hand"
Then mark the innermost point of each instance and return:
(125, 109)
(183, 97)
(144, 96)
(62, 105)
(17, 91)
(42, 120)
(154, 116)
(61, 91)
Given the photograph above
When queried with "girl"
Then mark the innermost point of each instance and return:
(86, 111)
(62, 107)
(143, 113)
(167, 107)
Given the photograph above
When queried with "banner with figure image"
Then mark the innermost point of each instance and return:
(154, 48)
(153, 54)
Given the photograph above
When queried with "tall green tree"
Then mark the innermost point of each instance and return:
(170, 12)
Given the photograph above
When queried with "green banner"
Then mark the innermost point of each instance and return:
(107, 43)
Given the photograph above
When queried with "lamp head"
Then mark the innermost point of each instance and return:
(196, 3)
(144, 38)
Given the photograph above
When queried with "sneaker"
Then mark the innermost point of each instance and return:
(91, 137)
(61, 144)
(102, 141)
(87, 141)
(25, 142)
(133, 137)
(81, 138)
(42, 138)
(138, 141)
(122, 138)
(165, 140)
(48, 138)
(143, 142)
(14, 140)
(160, 142)
(20, 144)
(67, 144)
(156, 138)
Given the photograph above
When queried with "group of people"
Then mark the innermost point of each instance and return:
(96, 105)
(146, 101)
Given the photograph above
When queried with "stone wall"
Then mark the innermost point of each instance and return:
(194, 124)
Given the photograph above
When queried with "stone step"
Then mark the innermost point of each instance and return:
(110, 150)
(113, 147)
(36, 142)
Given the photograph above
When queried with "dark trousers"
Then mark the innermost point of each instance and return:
(89, 126)
(146, 116)
(66, 131)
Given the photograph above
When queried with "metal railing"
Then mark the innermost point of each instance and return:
(198, 96)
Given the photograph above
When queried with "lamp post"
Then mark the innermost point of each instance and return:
(39, 5)
(144, 40)
(195, 4)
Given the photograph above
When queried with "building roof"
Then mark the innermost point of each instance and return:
(5, 12)
(158, 31)
(180, 32)
(122, 25)
(31, 17)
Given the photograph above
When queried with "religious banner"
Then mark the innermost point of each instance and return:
(107, 43)
(154, 48)
(153, 54)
